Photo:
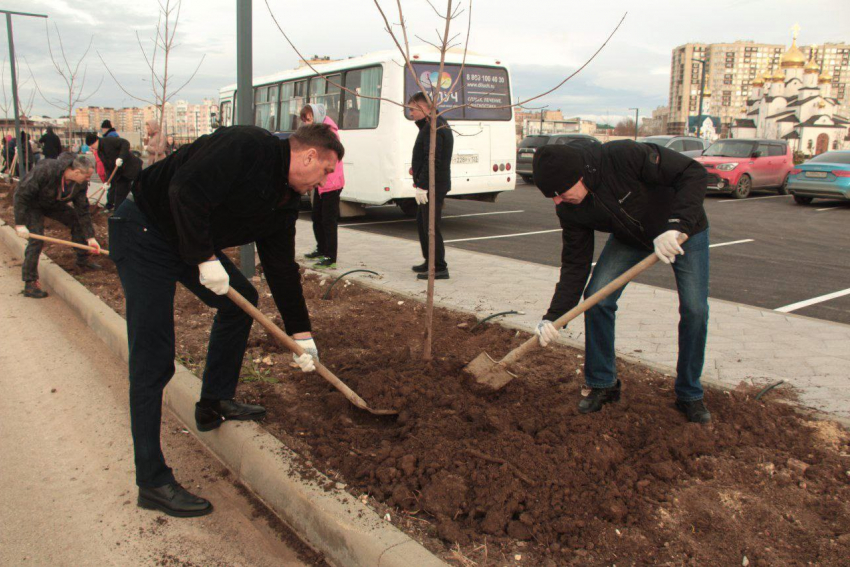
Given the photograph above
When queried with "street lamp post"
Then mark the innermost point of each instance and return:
(637, 115)
(244, 99)
(701, 96)
(22, 153)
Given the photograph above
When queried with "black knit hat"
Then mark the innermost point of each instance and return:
(91, 138)
(557, 169)
(106, 124)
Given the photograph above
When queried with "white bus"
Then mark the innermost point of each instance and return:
(379, 136)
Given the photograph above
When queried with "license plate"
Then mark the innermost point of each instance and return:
(465, 159)
(816, 174)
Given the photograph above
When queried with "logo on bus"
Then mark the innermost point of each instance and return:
(429, 78)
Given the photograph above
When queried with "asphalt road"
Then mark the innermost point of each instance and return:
(791, 253)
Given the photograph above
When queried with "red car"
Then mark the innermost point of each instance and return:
(738, 166)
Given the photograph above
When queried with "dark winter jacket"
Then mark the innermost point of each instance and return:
(111, 133)
(636, 191)
(110, 149)
(43, 189)
(442, 157)
(227, 189)
(51, 145)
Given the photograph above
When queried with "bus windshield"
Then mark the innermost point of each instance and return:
(484, 88)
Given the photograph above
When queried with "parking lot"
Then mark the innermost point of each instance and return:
(767, 251)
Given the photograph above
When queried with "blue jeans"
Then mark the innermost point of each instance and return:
(691, 272)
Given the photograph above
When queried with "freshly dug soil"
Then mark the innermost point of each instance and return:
(520, 477)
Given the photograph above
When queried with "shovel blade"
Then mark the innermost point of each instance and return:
(488, 372)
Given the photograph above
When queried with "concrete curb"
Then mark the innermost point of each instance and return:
(348, 532)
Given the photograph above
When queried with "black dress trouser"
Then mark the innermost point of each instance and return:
(63, 213)
(422, 215)
(118, 191)
(149, 267)
(325, 217)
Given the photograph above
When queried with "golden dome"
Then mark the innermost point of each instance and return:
(825, 78)
(777, 77)
(706, 93)
(793, 57)
(812, 67)
(759, 80)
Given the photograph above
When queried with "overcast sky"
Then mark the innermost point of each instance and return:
(542, 40)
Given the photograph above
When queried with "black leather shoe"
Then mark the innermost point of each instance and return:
(420, 268)
(33, 289)
(598, 397)
(174, 500)
(314, 254)
(87, 265)
(210, 414)
(696, 411)
(438, 275)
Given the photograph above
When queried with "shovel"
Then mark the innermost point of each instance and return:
(495, 374)
(101, 190)
(290, 343)
(267, 323)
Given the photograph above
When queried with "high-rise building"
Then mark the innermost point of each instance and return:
(182, 119)
(731, 69)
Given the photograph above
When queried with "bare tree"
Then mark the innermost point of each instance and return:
(436, 95)
(158, 58)
(70, 74)
(625, 127)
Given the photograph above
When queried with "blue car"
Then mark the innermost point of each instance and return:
(825, 176)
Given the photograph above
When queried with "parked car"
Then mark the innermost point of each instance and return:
(825, 176)
(738, 166)
(526, 148)
(691, 146)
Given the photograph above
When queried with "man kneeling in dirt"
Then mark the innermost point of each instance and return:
(645, 196)
(48, 190)
(236, 186)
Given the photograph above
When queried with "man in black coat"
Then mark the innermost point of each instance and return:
(51, 145)
(421, 179)
(49, 190)
(236, 186)
(114, 153)
(645, 196)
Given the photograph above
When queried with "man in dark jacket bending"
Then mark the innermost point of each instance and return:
(236, 186)
(645, 196)
(50, 190)
(114, 152)
(421, 179)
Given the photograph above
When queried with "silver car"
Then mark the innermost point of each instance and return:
(690, 146)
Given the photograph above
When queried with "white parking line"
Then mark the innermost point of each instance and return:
(730, 243)
(446, 217)
(832, 208)
(502, 236)
(813, 301)
(752, 199)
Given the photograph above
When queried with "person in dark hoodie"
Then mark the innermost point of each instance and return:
(238, 185)
(115, 153)
(107, 131)
(420, 111)
(51, 145)
(646, 197)
(46, 191)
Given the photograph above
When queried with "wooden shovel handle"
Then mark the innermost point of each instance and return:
(612, 286)
(103, 251)
(292, 345)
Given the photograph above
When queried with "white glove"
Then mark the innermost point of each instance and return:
(667, 246)
(307, 360)
(106, 186)
(546, 332)
(22, 231)
(94, 244)
(421, 196)
(119, 162)
(214, 277)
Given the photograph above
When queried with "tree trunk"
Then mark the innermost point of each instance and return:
(432, 235)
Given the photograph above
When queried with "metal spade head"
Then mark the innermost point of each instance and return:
(489, 373)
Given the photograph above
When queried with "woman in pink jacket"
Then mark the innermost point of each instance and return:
(325, 197)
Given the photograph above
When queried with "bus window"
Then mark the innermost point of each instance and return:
(292, 100)
(362, 112)
(265, 107)
(323, 92)
(226, 113)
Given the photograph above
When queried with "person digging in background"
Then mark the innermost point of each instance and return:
(107, 131)
(51, 145)
(325, 213)
(50, 190)
(645, 196)
(238, 185)
(115, 153)
(419, 111)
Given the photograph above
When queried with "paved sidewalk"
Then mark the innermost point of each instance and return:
(745, 343)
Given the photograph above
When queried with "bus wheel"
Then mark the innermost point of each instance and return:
(407, 206)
